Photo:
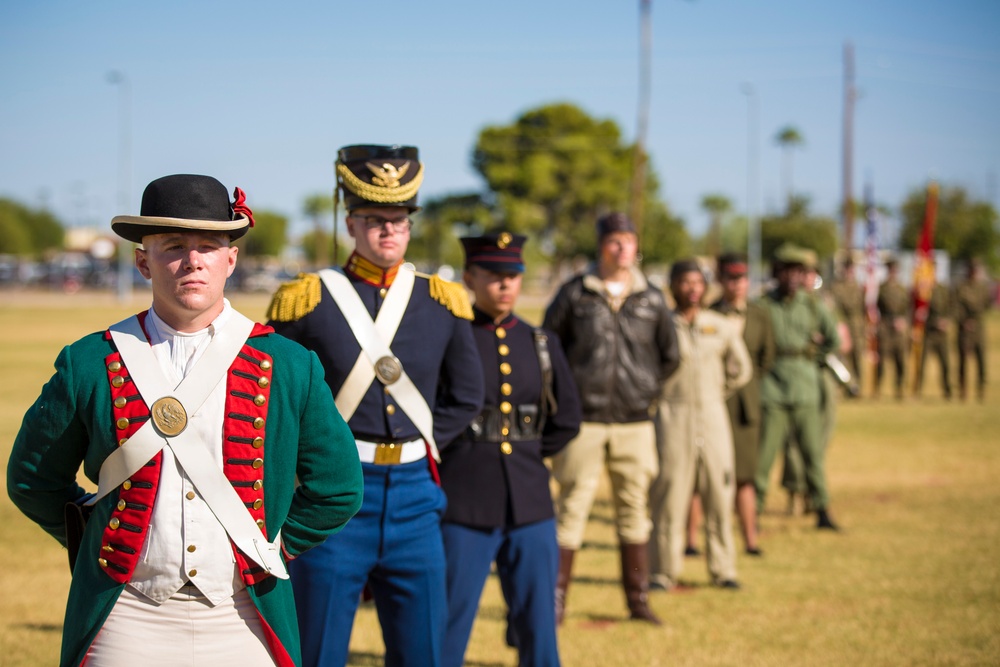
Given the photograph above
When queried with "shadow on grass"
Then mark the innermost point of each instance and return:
(38, 627)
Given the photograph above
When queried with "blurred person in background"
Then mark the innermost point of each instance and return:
(696, 438)
(973, 298)
(618, 336)
(791, 391)
(894, 303)
(745, 413)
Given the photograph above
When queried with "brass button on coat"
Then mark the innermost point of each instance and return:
(192, 573)
(258, 485)
(192, 548)
(382, 292)
(122, 441)
(258, 442)
(190, 495)
(127, 484)
(122, 423)
(506, 407)
(117, 381)
(506, 389)
(258, 423)
(121, 402)
(102, 562)
(114, 523)
(501, 333)
(265, 364)
(505, 368)
(120, 505)
(260, 523)
(257, 464)
(390, 410)
(262, 381)
(115, 366)
(503, 350)
(506, 448)
(257, 504)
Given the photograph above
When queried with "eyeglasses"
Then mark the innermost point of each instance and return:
(373, 222)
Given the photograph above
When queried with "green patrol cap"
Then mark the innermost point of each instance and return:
(789, 254)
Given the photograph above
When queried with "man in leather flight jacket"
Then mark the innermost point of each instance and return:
(620, 341)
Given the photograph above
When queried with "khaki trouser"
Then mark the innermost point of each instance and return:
(685, 461)
(629, 453)
(184, 630)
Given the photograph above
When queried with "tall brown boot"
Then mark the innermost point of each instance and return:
(562, 581)
(635, 580)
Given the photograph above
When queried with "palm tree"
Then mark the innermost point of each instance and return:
(316, 207)
(788, 138)
(717, 206)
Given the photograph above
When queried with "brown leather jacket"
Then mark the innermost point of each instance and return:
(621, 356)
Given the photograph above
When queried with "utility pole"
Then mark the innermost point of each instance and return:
(850, 96)
(639, 159)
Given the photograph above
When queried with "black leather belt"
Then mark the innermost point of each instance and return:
(522, 423)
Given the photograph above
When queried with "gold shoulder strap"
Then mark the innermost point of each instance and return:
(295, 299)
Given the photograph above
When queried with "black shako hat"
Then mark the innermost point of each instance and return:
(613, 222)
(499, 252)
(375, 175)
(186, 202)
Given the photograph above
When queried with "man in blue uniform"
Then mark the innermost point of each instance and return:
(499, 503)
(404, 370)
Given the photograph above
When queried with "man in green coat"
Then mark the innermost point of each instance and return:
(216, 447)
(939, 310)
(790, 393)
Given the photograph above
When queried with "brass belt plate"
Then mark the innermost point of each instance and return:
(388, 369)
(169, 416)
(388, 453)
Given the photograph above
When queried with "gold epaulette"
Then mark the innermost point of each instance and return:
(295, 299)
(450, 295)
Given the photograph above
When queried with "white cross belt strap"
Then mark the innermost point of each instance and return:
(376, 358)
(168, 411)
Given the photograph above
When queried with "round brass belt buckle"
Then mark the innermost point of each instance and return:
(388, 369)
(169, 416)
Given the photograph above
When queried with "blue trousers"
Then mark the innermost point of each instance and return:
(394, 544)
(527, 561)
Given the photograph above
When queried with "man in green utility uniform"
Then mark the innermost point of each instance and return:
(972, 299)
(894, 302)
(791, 390)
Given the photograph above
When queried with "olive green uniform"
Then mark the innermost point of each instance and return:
(849, 297)
(804, 331)
(972, 299)
(939, 310)
(893, 334)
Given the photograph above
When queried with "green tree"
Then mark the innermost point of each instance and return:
(965, 228)
(717, 206)
(798, 226)
(434, 239)
(317, 208)
(268, 237)
(555, 170)
(25, 231)
(788, 138)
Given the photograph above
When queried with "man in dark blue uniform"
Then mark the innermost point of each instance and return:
(499, 503)
(404, 370)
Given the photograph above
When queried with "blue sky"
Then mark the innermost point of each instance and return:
(261, 94)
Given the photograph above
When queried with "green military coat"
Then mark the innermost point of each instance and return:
(310, 473)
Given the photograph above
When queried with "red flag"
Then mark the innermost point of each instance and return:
(923, 264)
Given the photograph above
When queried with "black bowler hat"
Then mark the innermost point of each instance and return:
(613, 222)
(373, 175)
(186, 202)
(499, 252)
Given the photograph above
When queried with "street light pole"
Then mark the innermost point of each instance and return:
(119, 79)
(753, 222)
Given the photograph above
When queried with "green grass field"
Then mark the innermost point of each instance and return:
(913, 579)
